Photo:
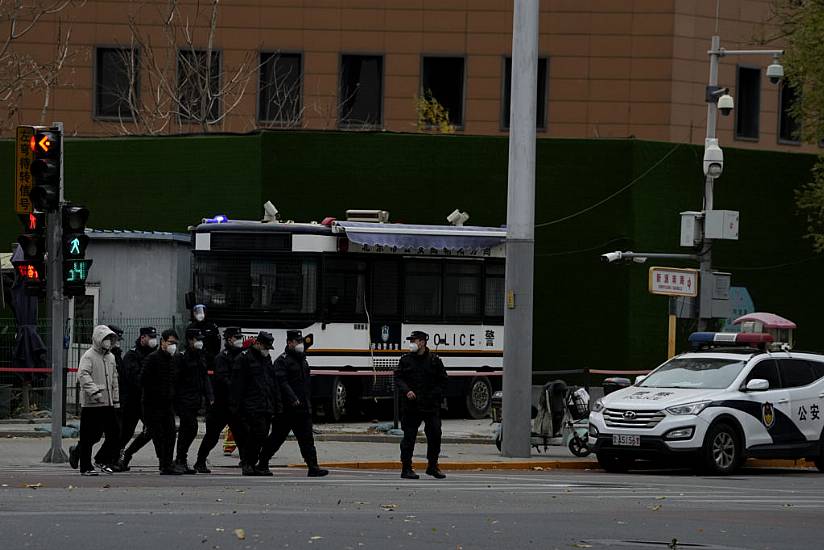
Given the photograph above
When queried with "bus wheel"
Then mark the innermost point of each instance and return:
(479, 398)
(337, 404)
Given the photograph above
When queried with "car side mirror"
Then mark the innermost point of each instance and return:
(757, 384)
(639, 379)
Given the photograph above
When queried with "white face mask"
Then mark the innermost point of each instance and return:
(413, 347)
(198, 344)
(107, 344)
(199, 316)
(237, 343)
(152, 343)
(299, 348)
(171, 349)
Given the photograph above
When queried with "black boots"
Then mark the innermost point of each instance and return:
(201, 468)
(407, 472)
(74, 456)
(434, 471)
(122, 464)
(316, 471)
(183, 466)
(262, 469)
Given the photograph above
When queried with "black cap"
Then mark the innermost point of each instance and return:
(148, 331)
(116, 329)
(195, 333)
(418, 335)
(265, 338)
(232, 332)
(294, 335)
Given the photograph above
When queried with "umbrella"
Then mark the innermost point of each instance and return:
(29, 349)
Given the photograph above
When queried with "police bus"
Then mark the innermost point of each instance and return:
(359, 287)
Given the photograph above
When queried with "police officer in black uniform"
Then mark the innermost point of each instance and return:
(211, 334)
(255, 396)
(158, 383)
(218, 416)
(192, 389)
(131, 407)
(292, 370)
(421, 381)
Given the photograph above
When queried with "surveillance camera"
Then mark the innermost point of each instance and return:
(775, 72)
(270, 213)
(610, 257)
(457, 218)
(713, 158)
(726, 104)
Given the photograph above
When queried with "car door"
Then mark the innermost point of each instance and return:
(770, 408)
(798, 376)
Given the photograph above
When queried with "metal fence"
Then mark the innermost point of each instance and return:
(25, 389)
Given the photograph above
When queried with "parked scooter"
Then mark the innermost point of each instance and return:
(562, 419)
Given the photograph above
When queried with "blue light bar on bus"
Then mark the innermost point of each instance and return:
(220, 218)
(729, 338)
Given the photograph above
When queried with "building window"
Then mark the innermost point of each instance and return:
(540, 114)
(280, 88)
(198, 85)
(789, 128)
(747, 103)
(361, 90)
(386, 288)
(116, 85)
(444, 78)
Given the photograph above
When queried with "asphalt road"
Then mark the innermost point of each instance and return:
(758, 509)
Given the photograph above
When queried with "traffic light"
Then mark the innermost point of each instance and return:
(74, 241)
(33, 246)
(46, 148)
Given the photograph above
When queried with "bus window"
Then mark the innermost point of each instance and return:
(344, 288)
(422, 289)
(222, 281)
(386, 282)
(462, 291)
(494, 299)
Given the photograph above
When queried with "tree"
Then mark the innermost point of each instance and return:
(801, 23)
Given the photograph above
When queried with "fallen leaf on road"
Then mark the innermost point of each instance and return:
(218, 500)
(219, 529)
(655, 508)
(538, 468)
(660, 498)
(33, 485)
(315, 537)
(107, 486)
(240, 534)
(389, 507)
(581, 545)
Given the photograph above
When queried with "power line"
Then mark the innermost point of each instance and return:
(590, 249)
(770, 267)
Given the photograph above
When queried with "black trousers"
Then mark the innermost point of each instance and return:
(410, 422)
(186, 433)
(253, 431)
(160, 425)
(94, 423)
(131, 414)
(217, 418)
(298, 422)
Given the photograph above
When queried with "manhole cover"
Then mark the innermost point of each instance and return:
(642, 544)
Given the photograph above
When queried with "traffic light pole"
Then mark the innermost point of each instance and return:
(55, 300)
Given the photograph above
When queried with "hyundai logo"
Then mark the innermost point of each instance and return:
(629, 415)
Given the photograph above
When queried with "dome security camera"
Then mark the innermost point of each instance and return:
(726, 104)
(775, 72)
(713, 158)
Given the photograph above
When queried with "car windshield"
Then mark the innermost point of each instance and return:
(694, 372)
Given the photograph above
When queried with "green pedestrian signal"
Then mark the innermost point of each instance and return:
(75, 247)
(74, 241)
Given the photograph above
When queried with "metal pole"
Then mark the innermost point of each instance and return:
(706, 244)
(54, 291)
(520, 237)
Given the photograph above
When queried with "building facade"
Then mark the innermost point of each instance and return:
(607, 68)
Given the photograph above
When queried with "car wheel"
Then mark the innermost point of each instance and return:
(613, 463)
(722, 451)
(479, 398)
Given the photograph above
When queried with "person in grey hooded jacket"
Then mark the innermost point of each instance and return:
(100, 396)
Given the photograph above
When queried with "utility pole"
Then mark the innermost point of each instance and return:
(520, 236)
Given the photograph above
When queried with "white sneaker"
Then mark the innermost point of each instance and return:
(88, 473)
(106, 470)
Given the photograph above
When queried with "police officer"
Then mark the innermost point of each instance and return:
(292, 370)
(421, 381)
(130, 395)
(218, 415)
(158, 383)
(255, 396)
(211, 334)
(192, 388)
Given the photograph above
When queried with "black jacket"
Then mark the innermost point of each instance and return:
(292, 370)
(192, 381)
(211, 338)
(158, 382)
(129, 373)
(426, 376)
(222, 377)
(254, 388)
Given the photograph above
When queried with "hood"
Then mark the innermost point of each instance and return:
(100, 332)
(635, 397)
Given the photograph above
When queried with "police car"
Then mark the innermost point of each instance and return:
(730, 400)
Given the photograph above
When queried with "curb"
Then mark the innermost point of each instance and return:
(474, 465)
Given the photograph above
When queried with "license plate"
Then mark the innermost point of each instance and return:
(626, 440)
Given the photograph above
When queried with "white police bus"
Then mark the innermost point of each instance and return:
(359, 287)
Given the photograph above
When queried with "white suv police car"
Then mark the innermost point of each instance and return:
(719, 405)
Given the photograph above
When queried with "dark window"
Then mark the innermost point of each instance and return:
(540, 114)
(747, 103)
(462, 286)
(444, 78)
(422, 289)
(231, 240)
(279, 96)
(788, 126)
(386, 282)
(494, 291)
(818, 369)
(765, 370)
(361, 90)
(198, 85)
(344, 288)
(795, 372)
(116, 82)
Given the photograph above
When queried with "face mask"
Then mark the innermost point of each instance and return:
(107, 344)
(238, 343)
(413, 347)
(171, 349)
(198, 344)
(152, 343)
(299, 348)
(199, 316)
